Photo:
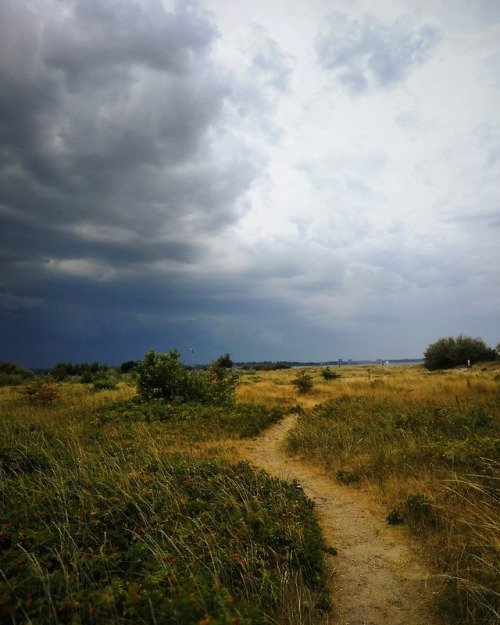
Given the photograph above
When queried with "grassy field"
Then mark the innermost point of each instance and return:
(113, 511)
(117, 511)
(427, 445)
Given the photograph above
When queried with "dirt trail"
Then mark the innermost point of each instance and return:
(376, 578)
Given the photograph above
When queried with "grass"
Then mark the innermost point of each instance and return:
(106, 518)
(427, 445)
(117, 511)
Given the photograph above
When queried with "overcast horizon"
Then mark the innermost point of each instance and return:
(301, 181)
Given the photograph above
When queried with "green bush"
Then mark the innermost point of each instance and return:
(328, 374)
(417, 511)
(43, 390)
(303, 382)
(163, 376)
(450, 352)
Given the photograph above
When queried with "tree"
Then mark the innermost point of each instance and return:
(225, 362)
(450, 352)
(11, 373)
(163, 376)
(328, 374)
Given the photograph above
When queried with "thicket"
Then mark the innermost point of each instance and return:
(12, 374)
(303, 382)
(164, 377)
(450, 352)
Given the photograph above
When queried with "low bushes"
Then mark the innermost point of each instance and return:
(195, 421)
(122, 533)
(163, 376)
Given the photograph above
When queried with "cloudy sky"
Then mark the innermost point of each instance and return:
(286, 180)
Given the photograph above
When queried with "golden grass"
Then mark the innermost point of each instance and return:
(427, 446)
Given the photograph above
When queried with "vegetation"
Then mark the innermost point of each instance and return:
(450, 352)
(303, 382)
(126, 505)
(11, 373)
(114, 511)
(328, 374)
(427, 446)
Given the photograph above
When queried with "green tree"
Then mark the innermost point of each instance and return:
(225, 362)
(328, 374)
(163, 376)
(451, 352)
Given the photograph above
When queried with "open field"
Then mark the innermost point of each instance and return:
(426, 446)
(116, 511)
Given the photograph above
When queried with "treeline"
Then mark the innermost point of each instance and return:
(12, 374)
(263, 366)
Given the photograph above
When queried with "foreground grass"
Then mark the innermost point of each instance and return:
(428, 447)
(103, 520)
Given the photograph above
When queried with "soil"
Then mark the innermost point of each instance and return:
(377, 577)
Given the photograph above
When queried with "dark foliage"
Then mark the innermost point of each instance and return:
(449, 352)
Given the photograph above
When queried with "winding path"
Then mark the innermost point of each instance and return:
(376, 578)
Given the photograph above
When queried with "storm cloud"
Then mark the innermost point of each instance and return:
(280, 182)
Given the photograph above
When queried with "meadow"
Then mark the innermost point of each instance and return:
(115, 510)
(424, 444)
(119, 511)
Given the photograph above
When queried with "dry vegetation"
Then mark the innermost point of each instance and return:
(427, 445)
(94, 485)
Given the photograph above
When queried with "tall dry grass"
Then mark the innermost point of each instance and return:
(427, 445)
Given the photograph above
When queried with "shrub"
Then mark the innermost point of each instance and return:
(417, 510)
(303, 382)
(42, 390)
(450, 352)
(104, 383)
(11, 373)
(163, 376)
(328, 374)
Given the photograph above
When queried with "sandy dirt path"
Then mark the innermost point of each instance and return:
(376, 578)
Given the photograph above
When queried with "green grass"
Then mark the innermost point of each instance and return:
(102, 521)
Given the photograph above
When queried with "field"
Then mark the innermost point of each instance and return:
(117, 511)
(426, 445)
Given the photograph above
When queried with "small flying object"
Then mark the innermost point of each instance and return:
(191, 350)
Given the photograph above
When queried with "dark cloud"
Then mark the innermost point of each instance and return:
(112, 114)
(118, 161)
(368, 53)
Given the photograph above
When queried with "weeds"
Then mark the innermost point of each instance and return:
(102, 522)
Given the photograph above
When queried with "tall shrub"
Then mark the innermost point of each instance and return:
(450, 352)
(163, 376)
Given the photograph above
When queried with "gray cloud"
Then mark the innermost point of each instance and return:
(112, 123)
(270, 62)
(368, 53)
(152, 197)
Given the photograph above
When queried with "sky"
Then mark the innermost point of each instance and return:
(288, 180)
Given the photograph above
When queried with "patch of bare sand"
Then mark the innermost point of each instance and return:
(376, 578)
